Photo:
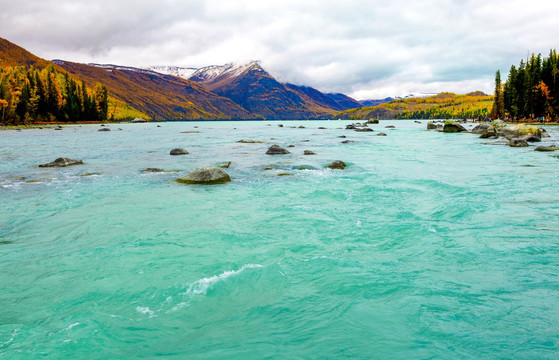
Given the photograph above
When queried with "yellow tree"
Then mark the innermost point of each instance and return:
(3, 105)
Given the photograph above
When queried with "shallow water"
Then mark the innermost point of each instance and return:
(427, 246)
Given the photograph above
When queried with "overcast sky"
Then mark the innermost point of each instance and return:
(366, 49)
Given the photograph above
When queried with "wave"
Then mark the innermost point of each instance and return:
(200, 287)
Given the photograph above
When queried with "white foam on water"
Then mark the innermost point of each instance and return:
(145, 310)
(201, 286)
(71, 326)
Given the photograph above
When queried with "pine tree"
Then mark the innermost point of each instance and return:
(498, 109)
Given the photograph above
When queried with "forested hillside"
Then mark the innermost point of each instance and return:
(441, 106)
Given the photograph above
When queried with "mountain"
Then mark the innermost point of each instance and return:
(441, 106)
(344, 101)
(20, 63)
(376, 102)
(162, 97)
(254, 89)
(231, 91)
(14, 55)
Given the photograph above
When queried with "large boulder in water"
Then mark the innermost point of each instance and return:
(451, 126)
(62, 162)
(489, 133)
(481, 128)
(276, 150)
(547, 148)
(528, 132)
(337, 165)
(432, 126)
(209, 175)
(515, 142)
(178, 151)
(497, 124)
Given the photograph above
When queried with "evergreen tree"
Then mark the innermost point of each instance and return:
(498, 103)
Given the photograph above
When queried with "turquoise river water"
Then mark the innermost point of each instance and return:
(428, 246)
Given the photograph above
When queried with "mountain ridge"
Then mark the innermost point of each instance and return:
(218, 92)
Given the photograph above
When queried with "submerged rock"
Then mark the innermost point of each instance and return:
(209, 175)
(347, 141)
(547, 148)
(309, 152)
(276, 150)
(248, 141)
(178, 151)
(62, 162)
(381, 134)
(153, 170)
(363, 129)
(390, 127)
(337, 165)
(104, 129)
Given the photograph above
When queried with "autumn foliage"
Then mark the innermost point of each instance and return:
(445, 105)
(30, 95)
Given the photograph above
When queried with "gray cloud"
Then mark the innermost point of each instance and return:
(363, 48)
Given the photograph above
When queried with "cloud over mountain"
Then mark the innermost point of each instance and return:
(363, 48)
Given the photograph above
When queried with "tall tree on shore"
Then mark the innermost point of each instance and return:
(498, 109)
(532, 88)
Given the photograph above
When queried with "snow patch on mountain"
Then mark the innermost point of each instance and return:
(178, 71)
(213, 72)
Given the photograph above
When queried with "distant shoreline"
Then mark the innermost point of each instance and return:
(50, 125)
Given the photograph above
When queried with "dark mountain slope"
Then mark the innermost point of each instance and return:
(160, 96)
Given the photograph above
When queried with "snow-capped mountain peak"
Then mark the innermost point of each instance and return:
(182, 72)
(213, 72)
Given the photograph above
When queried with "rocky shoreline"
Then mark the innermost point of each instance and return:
(513, 135)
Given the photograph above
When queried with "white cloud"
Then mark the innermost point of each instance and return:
(363, 48)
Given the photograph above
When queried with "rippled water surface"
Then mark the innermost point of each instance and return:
(428, 246)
